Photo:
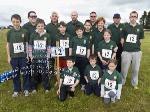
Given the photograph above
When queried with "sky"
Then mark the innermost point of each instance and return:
(44, 8)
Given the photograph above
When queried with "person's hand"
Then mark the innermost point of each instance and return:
(27, 59)
(72, 88)
(122, 41)
(58, 91)
(104, 62)
(31, 58)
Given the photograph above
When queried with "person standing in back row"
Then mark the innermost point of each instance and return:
(73, 23)
(132, 35)
(116, 29)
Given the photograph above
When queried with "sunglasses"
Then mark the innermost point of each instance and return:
(33, 16)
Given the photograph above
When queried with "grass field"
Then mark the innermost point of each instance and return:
(131, 100)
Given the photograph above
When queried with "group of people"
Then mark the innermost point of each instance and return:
(95, 57)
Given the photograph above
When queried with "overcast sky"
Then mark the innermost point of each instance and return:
(44, 8)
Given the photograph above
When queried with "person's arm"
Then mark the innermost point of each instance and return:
(114, 55)
(27, 50)
(8, 53)
(74, 85)
(86, 79)
(122, 41)
(70, 51)
(101, 59)
(88, 53)
(60, 83)
(99, 80)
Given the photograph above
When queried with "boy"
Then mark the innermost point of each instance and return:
(79, 47)
(106, 49)
(92, 76)
(63, 39)
(111, 83)
(17, 42)
(89, 33)
(69, 79)
(39, 52)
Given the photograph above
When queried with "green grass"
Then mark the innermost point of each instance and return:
(131, 100)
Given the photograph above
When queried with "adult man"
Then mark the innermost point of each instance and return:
(132, 35)
(73, 23)
(116, 29)
(31, 25)
(93, 17)
(52, 28)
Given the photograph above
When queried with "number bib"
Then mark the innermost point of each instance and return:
(64, 43)
(68, 80)
(18, 47)
(58, 51)
(131, 38)
(94, 75)
(106, 53)
(40, 44)
(81, 50)
(110, 84)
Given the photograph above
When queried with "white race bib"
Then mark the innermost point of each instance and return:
(64, 43)
(81, 50)
(18, 47)
(94, 75)
(58, 51)
(131, 38)
(68, 80)
(106, 53)
(110, 84)
(40, 44)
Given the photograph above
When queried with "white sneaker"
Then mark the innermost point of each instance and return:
(26, 93)
(34, 91)
(15, 94)
(82, 87)
(46, 91)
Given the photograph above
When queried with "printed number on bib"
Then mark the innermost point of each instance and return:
(68, 80)
(18, 47)
(64, 43)
(40, 44)
(131, 38)
(110, 84)
(58, 51)
(81, 50)
(94, 75)
(106, 53)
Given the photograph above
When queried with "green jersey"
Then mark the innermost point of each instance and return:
(111, 80)
(93, 73)
(17, 40)
(98, 36)
(39, 44)
(106, 49)
(30, 28)
(132, 36)
(79, 46)
(116, 32)
(71, 27)
(52, 30)
(70, 76)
